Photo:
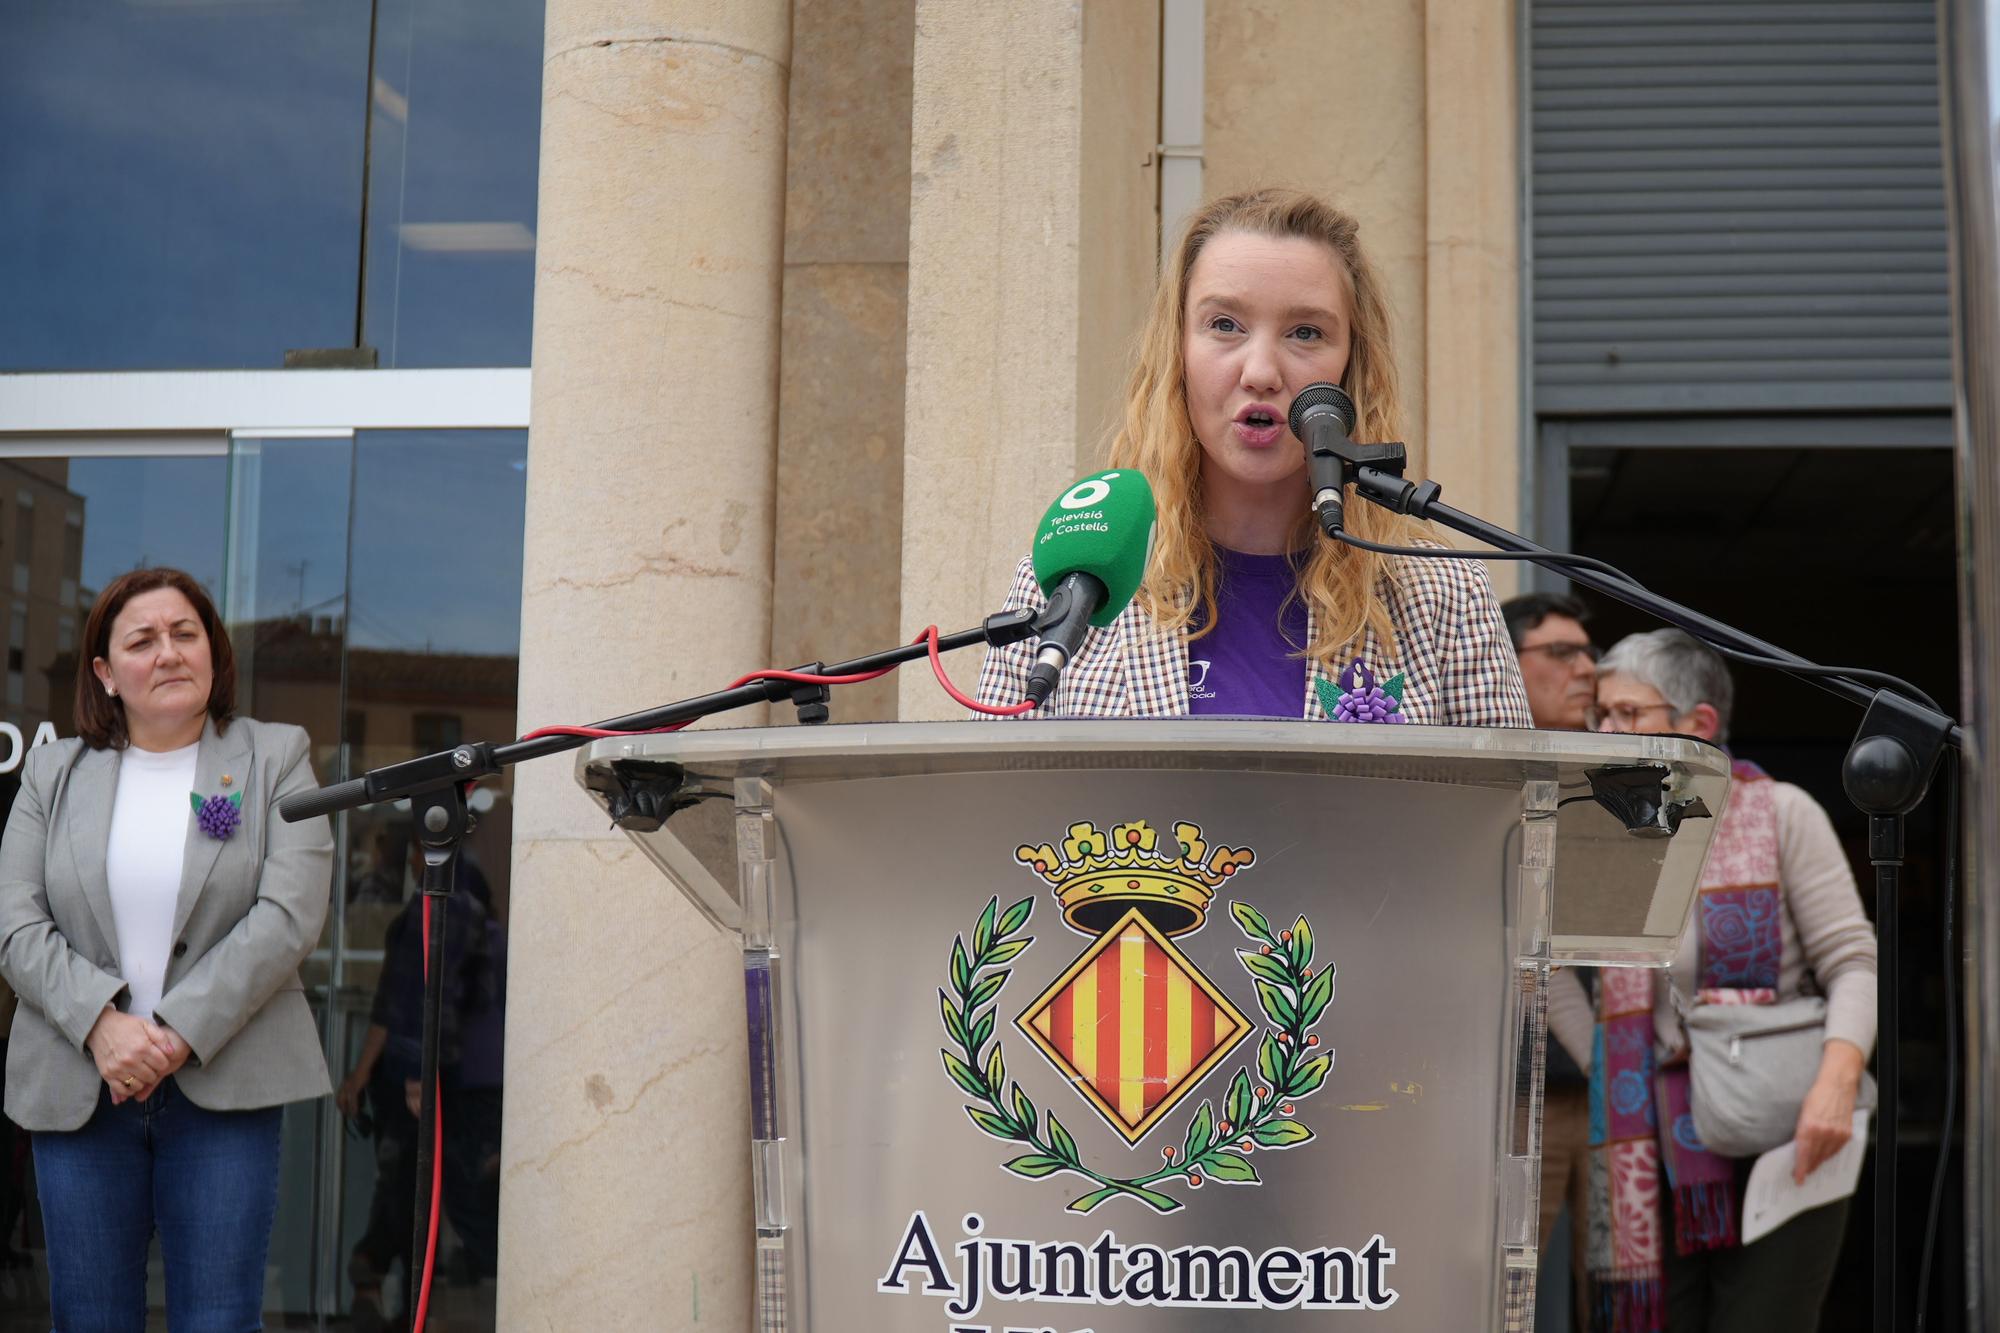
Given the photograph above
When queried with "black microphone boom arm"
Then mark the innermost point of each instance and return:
(479, 759)
(1386, 486)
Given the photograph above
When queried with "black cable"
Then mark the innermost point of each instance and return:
(1860, 675)
(1895, 684)
(1950, 1039)
(1453, 553)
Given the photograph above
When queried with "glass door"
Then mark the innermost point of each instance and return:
(284, 598)
(431, 657)
(373, 593)
(370, 581)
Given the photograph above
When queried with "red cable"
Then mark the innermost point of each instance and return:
(992, 710)
(437, 1162)
(596, 733)
(807, 678)
(930, 636)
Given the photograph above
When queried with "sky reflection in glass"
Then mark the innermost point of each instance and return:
(182, 183)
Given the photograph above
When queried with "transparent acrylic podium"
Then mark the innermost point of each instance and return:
(1163, 1025)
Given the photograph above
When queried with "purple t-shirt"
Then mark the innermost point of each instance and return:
(1245, 666)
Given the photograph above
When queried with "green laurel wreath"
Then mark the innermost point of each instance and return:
(1293, 998)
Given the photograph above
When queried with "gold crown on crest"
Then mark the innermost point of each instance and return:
(1099, 879)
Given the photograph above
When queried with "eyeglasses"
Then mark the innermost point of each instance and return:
(1626, 716)
(1562, 654)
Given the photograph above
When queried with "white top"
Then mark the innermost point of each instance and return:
(142, 865)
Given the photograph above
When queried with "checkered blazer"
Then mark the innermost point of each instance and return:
(1451, 643)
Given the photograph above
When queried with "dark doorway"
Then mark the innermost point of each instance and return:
(1844, 554)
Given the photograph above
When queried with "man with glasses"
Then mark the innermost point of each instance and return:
(1558, 660)
(1559, 668)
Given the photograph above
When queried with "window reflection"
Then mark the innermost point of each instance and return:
(453, 157)
(183, 182)
(148, 511)
(433, 659)
(435, 624)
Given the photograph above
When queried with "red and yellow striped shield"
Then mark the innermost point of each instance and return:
(1134, 1025)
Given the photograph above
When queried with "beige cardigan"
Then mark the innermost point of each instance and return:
(1829, 943)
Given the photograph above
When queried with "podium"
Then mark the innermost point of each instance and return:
(1156, 1025)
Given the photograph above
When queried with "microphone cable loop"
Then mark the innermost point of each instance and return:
(991, 710)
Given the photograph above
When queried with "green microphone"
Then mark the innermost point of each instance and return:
(1089, 557)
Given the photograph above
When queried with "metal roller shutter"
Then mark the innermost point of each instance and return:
(1737, 206)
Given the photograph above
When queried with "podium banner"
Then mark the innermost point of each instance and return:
(1149, 1070)
(1143, 1044)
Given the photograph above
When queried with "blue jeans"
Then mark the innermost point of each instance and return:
(207, 1181)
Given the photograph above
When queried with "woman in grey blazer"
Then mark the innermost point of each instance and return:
(153, 915)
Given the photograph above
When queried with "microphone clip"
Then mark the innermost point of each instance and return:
(1337, 464)
(1388, 458)
(1062, 625)
(1066, 601)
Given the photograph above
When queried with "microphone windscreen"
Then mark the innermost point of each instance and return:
(1321, 394)
(1102, 526)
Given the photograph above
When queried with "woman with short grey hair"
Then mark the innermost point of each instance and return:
(1684, 672)
(1777, 917)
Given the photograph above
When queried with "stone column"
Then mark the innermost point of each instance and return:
(1032, 217)
(625, 1187)
(840, 424)
(1473, 354)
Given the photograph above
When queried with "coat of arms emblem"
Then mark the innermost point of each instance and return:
(1132, 1024)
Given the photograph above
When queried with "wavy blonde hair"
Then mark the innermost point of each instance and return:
(1156, 436)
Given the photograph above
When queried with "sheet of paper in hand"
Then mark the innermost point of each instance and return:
(1771, 1199)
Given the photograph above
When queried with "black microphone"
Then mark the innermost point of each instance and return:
(1322, 417)
(1075, 600)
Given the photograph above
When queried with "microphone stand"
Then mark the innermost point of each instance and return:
(1886, 774)
(436, 785)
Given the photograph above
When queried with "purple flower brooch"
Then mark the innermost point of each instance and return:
(1359, 699)
(217, 815)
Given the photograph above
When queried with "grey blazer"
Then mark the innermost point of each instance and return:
(251, 907)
